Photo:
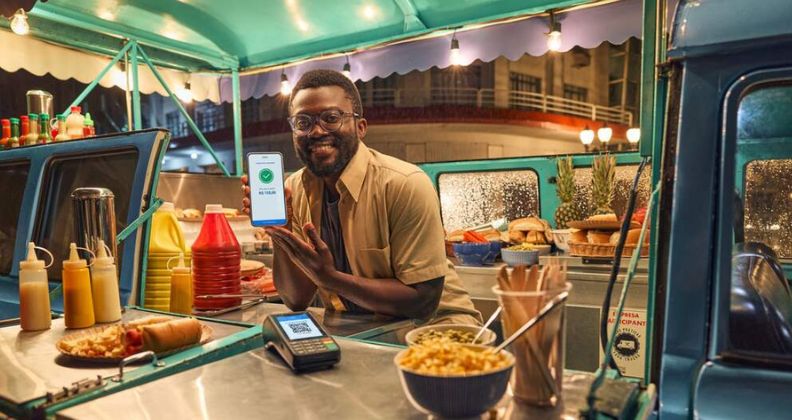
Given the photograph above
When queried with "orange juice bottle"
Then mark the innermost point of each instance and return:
(34, 301)
(104, 287)
(181, 294)
(77, 300)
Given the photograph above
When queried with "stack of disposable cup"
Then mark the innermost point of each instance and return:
(165, 243)
(216, 260)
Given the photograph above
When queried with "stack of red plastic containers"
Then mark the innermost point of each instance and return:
(216, 258)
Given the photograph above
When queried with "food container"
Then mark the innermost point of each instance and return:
(519, 257)
(486, 339)
(455, 396)
(476, 254)
(539, 353)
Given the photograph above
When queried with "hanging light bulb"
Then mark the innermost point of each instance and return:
(605, 133)
(347, 71)
(554, 36)
(587, 136)
(194, 155)
(455, 56)
(19, 23)
(634, 135)
(286, 87)
(185, 93)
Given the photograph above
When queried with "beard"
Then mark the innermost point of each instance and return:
(345, 147)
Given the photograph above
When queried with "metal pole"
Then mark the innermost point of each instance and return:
(102, 74)
(127, 96)
(648, 74)
(138, 117)
(237, 108)
(184, 112)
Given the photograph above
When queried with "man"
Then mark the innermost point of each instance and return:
(365, 229)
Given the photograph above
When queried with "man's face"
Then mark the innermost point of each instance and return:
(326, 153)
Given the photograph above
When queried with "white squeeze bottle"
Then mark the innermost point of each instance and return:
(34, 302)
(104, 287)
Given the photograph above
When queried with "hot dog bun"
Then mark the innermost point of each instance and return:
(165, 336)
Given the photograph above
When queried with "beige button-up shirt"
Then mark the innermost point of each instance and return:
(390, 221)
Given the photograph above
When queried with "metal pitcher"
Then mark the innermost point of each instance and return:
(39, 102)
(94, 214)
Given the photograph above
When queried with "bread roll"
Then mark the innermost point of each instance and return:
(634, 234)
(516, 236)
(535, 237)
(578, 236)
(598, 237)
(491, 235)
(456, 236)
(171, 335)
(614, 238)
(527, 224)
(610, 217)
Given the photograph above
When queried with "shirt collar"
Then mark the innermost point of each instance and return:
(351, 178)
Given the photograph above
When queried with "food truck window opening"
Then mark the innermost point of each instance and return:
(759, 299)
(54, 227)
(474, 198)
(14, 178)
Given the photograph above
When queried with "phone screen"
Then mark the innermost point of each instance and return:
(267, 201)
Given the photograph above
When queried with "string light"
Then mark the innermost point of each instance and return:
(347, 71)
(587, 136)
(554, 36)
(455, 56)
(605, 133)
(286, 87)
(634, 135)
(185, 93)
(19, 23)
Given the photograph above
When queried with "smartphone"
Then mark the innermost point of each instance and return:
(267, 200)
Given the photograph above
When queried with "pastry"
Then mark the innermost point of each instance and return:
(609, 217)
(598, 237)
(579, 236)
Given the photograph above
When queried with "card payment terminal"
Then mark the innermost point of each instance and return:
(300, 341)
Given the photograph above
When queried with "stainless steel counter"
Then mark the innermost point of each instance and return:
(256, 384)
(31, 365)
(336, 323)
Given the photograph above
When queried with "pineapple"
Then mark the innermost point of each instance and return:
(567, 211)
(603, 176)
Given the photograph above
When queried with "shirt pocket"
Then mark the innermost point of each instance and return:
(375, 262)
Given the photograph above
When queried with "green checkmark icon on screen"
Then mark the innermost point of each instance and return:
(266, 176)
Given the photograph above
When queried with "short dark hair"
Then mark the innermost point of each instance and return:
(323, 77)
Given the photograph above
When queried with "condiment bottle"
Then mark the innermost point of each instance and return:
(24, 127)
(34, 302)
(33, 134)
(74, 123)
(44, 133)
(181, 295)
(77, 301)
(62, 135)
(104, 287)
(88, 126)
(6, 133)
(14, 141)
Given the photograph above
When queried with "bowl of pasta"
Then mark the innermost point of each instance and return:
(449, 379)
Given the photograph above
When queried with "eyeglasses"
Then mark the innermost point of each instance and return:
(330, 121)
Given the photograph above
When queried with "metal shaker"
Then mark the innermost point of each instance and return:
(94, 214)
(39, 102)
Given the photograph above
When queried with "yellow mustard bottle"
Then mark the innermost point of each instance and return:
(34, 301)
(104, 287)
(181, 293)
(77, 301)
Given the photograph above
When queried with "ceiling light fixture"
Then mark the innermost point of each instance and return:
(554, 36)
(286, 87)
(455, 56)
(19, 23)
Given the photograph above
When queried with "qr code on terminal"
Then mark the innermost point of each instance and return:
(300, 327)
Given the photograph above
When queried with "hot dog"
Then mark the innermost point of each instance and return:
(165, 336)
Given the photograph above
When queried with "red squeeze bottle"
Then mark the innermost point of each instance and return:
(216, 261)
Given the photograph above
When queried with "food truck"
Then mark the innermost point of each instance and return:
(702, 329)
